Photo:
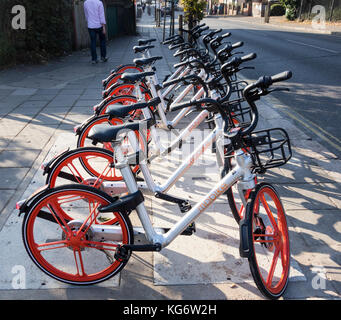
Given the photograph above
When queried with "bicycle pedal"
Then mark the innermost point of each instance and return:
(184, 206)
(189, 230)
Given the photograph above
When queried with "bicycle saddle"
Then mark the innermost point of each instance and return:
(134, 77)
(143, 42)
(109, 133)
(121, 111)
(138, 49)
(146, 61)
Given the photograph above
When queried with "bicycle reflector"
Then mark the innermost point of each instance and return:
(76, 129)
(44, 165)
(19, 204)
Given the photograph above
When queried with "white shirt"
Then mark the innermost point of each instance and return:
(94, 13)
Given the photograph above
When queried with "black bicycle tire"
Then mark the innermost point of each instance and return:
(71, 153)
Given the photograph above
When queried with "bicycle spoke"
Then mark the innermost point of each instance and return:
(80, 263)
(79, 177)
(272, 268)
(268, 211)
(44, 246)
(60, 220)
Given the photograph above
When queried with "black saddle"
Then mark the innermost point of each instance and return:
(138, 49)
(143, 42)
(146, 61)
(135, 77)
(109, 133)
(121, 111)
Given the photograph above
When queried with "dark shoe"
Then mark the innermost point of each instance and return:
(104, 59)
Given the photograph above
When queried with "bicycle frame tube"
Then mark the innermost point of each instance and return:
(187, 131)
(130, 182)
(185, 165)
(241, 170)
(223, 185)
(184, 111)
(181, 72)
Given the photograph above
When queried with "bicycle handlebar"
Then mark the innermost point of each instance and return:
(237, 61)
(237, 45)
(172, 38)
(250, 96)
(263, 83)
(186, 78)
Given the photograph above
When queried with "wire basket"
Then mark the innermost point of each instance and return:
(239, 111)
(269, 148)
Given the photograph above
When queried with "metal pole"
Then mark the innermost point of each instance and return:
(301, 7)
(331, 10)
(164, 21)
(180, 24)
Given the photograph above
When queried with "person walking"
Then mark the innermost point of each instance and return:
(94, 14)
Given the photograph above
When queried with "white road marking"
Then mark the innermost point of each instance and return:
(310, 45)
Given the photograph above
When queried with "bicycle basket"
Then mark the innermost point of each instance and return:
(269, 148)
(240, 112)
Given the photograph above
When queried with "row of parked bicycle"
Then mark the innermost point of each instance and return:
(77, 227)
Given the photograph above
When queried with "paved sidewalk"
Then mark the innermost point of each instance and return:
(40, 104)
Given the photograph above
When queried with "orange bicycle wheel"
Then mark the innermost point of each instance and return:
(71, 251)
(269, 257)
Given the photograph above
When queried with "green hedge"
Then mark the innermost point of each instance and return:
(277, 9)
(49, 31)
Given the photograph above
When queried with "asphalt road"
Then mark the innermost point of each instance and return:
(314, 102)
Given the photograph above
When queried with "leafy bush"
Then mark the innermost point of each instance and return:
(277, 9)
(193, 9)
(291, 8)
(48, 30)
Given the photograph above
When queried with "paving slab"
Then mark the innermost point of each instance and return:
(11, 238)
(11, 178)
(18, 159)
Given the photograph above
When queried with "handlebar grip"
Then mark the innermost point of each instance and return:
(285, 75)
(175, 46)
(237, 44)
(225, 35)
(171, 39)
(186, 51)
(212, 33)
(197, 27)
(200, 30)
(248, 57)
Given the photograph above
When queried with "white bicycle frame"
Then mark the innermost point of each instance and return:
(153, 82)
(149, 185)
(161, 150)
(179, 72)
(241, 171)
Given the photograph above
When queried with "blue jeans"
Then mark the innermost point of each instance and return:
(93, 36)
